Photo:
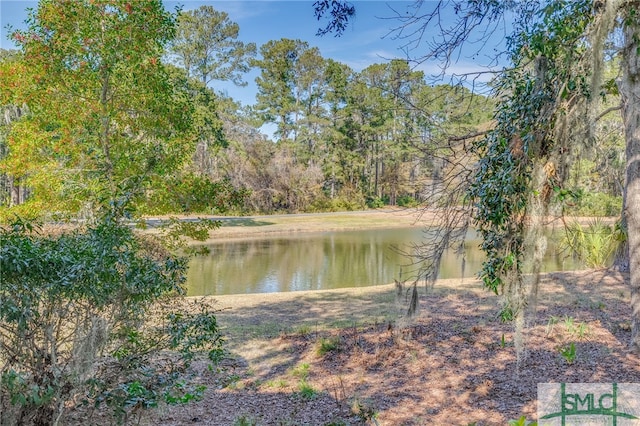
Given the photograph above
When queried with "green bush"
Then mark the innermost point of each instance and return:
(91, 316)
(375, 202)
(406, 201)
(337, 204)
(594, 244)
(596, 204)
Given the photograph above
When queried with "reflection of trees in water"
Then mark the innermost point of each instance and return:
(332, 260)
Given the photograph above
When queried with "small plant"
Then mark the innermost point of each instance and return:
(579, 330)
(301, 371)
(569, 353)
(569, 324)
(551, 324)
(364, 410)
(594, 244)
(276, 383)
(183, 393)
(328, 345)
(522, 421)
(582, 330)
(231, 381)
(130, 338)
(506, 314)
(306, 391)
(503, 341)
(303, 330)
(375, 202)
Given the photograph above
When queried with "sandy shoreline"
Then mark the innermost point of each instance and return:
(245, 227)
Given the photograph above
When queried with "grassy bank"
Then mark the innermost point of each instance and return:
(259, 226)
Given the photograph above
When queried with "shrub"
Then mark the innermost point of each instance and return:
(340, 203)
(596, 204)
(407, 201)
(594, 244)
(374, 202)
(306, 391)
(91, 316)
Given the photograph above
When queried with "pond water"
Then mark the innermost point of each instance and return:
(327, 260)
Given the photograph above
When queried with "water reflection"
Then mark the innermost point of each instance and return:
(322, 261)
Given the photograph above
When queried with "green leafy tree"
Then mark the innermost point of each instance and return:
(381, 99)
(278, 98)
(104, 117)
(12, 190)
(206, 46)
(337, 158)
(82, 313)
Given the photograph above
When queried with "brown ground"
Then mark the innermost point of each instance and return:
(454, 364)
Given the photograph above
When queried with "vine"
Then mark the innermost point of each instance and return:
(524, 159)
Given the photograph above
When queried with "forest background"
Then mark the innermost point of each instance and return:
(337, 138)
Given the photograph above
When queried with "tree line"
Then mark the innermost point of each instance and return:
(343, 139)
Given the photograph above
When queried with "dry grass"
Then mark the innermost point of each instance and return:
(454, 364)
(246, 227)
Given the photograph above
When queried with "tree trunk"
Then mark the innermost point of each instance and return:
(630, 94)
(14, 187)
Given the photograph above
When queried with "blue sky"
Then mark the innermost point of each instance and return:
(366, 41)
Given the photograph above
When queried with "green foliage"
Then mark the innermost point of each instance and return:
(594, 244)
(174, 230)
(306, 391)
(579, 330)
(191, 193)
(195, 331)
(303, 330)
(407, 201)
(183, 393)
(328, 345)
(506, 314)
(104, 117)
(365, 410)
(505, 190)
(596, 204)
(503, 341)
(522, 421)
(337, 204)
(568, 353)
(91, 315)
(375, 202)
(276, 98)
(206, 46)
(301, 371)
